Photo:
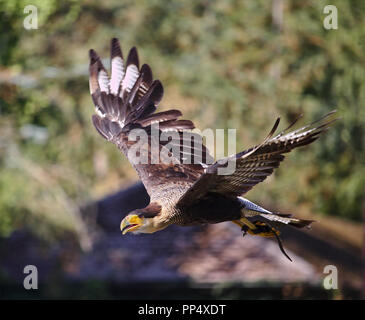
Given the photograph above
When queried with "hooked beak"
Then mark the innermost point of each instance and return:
(128, 227)
(130, 224)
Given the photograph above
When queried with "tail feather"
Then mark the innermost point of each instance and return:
(251, 209)
(295, 222)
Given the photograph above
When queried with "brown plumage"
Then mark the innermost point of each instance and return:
(183, 193)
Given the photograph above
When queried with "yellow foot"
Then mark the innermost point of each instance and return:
(257, 228)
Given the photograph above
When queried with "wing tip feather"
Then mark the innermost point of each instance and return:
(133, 57)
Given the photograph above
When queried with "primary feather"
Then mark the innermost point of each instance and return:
(130, 104)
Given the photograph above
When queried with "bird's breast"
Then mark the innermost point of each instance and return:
(209, 210)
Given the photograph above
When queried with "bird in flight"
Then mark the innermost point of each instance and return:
(184, 192)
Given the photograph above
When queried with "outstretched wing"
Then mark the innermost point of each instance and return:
(155, 143)
(255, 164)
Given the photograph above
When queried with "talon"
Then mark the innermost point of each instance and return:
(263, 230)
(244, 229)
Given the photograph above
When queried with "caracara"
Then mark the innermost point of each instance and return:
(186, 187)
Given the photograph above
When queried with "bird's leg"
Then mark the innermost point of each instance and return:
(248, 224)
(256, 228)
(259, 228)
(243, 224)
(238, 223)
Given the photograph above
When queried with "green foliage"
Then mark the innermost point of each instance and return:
(235, 66)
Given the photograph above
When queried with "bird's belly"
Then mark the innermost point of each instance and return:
(210, 212)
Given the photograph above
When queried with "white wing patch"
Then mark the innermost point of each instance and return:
(103, 80)
(130, 78)
(117, 74)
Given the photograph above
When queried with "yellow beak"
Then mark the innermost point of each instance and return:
(130, 223)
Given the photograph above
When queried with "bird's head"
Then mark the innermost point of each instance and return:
(134, 222)
(142, 221)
